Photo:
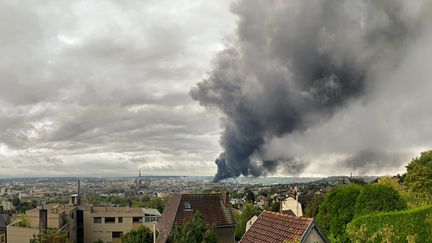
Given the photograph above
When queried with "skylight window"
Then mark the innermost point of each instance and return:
(187, 206)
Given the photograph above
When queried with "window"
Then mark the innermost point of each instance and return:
(137, 220)
(150, 218)
(97, 220)
(187, 205)
(109, 220)
(120, 219)
(116, 234)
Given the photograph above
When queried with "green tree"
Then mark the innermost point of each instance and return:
(275, 207)
(419, 177)
(140, 235)
(194, 231)
(378, 198)
(250, 196)
(50, 236)
(247, 213)
(337, 210)
(312, 206)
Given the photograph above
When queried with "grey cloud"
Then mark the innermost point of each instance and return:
(80, 78)
(296, 64)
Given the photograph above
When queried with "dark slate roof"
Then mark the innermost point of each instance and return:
(277, 227)
(167, 218)
(182, 207)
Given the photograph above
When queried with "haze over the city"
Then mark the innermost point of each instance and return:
(265, 88)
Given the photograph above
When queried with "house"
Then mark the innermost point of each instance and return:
(278, 227)
(292, 206)
(250, 222)
(214, 210)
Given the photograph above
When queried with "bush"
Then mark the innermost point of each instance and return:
(50, 236)
(140, 235)
(194, 231)
(248, 212)
(337, 210)
(378, 198)
(312, 206)
(413, 225)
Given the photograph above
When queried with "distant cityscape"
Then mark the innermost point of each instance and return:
(69, 195)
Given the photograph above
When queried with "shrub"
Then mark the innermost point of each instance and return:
(337, 210)
(248, 212)
(194, 231)
(140, 235)
(413, 225)
(378, 198)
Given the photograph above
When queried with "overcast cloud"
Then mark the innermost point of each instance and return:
(101, 87)
(299, 87)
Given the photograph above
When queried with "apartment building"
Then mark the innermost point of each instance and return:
(82, 223)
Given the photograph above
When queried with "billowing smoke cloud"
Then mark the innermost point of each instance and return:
(293, 65)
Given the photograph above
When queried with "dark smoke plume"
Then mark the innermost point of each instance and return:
(293, 65)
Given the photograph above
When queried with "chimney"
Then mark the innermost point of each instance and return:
(226, 198)
(43, 220)
(78, 192)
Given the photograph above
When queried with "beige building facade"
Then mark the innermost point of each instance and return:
(82, 223)
(293, 205)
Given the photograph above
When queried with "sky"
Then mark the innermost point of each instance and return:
(100, 88)
(300, 88)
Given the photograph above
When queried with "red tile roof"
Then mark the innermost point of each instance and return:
(276, 227)
(177, 212)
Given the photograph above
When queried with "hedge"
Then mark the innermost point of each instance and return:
(413, 225)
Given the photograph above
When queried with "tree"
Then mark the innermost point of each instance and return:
(250, 196)
(248, 212)
(390, 181)
(275, 207)
(419, 177)
(140, 235)
(312, 206)
(50, 236)
(378, 198)
(337, 210)
(194, 231)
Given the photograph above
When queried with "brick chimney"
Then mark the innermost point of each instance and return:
(226, 198)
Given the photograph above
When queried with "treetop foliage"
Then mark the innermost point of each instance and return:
(140, 235)
(419, 177)
(241, 219)
(378, 198)
(337, 210)
(194, 231)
